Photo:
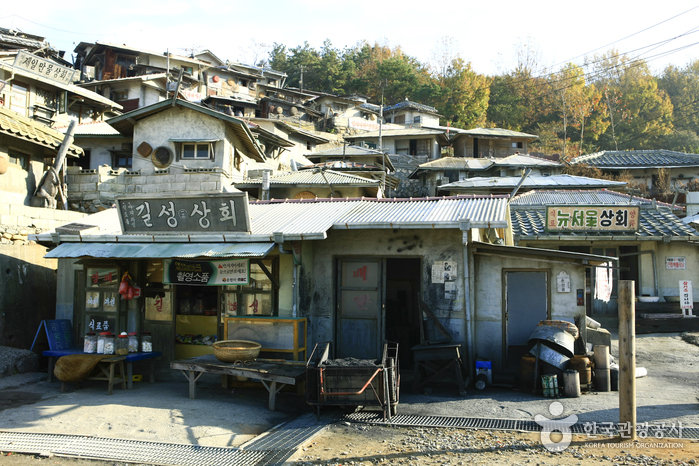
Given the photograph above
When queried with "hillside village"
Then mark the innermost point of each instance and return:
(361, 220)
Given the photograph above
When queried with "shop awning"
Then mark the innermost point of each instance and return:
(159, 250)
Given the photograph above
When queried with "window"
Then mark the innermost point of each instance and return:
(417, 119)
(399, 119)
(259, 297)
(196, 151)
(121, 159)
(452, 175)
(102, 298)
(19, 98)
(19, 159)
(517, 145)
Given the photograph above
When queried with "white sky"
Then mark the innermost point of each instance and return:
(490, 35)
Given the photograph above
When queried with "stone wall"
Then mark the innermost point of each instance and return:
(405, 165)
(17, 221)
(95, 190)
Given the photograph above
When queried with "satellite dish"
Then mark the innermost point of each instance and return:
(162, 157)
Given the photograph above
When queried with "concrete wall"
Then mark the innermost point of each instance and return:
(489, 306)
(17, 185)
(668, 280)
(319, 275)
(91, 190)
(463, 147)
(27, 292)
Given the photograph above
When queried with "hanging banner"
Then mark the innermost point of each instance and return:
(207, 273)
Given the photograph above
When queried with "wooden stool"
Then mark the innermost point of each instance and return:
(105, 371)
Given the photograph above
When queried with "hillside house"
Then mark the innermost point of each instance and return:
(489, 142)
(178, 146)
(646, 166)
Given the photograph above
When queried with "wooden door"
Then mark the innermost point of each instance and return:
(359, 331)
(526, 303)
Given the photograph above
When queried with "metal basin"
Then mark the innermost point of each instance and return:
(556, 338)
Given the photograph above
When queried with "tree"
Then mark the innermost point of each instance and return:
(463, 95)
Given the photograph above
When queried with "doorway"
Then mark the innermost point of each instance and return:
(377, 301)
(526, 303)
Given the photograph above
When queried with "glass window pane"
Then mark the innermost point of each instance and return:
(202, 151)
(102, 276)
(188, 151)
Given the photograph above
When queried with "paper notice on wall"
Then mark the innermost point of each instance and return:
(438, 272)
(603, 282)
(449, 271)
(449, 290)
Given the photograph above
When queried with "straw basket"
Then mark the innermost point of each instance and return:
(236, 350)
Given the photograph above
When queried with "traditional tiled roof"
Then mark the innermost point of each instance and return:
(21, 127)
(528, 215)
(629, 159)
(408, 104)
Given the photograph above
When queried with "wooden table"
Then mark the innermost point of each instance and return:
(274, 374)
(129, 359)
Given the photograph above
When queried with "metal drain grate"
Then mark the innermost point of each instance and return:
(405, 420)
(273, 447)
(154, 453)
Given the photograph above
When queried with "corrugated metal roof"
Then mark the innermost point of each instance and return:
(530, 221)
(430, 212)
(524, 160)
(623, 159)
(456, 163)
(395, 132)
(38, 133)
(565, 197)
(346, 151)
(160, 250)
(531, 182)
(497, 132)
(313, 178)
(93, 128)
(297, 219)
(312, 218)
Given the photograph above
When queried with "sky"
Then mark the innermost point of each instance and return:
(493, 36)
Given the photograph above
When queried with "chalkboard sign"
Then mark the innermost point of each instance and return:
(59, 333)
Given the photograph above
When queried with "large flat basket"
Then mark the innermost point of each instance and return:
(236, 350)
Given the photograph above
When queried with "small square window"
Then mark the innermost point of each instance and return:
(196, 151)
(19, 159)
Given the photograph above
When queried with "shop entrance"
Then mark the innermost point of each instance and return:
(377, 301)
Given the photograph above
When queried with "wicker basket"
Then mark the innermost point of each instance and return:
(236, 350)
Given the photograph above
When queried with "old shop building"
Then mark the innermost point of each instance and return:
(356, 271)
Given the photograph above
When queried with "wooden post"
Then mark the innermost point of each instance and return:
(627, 356)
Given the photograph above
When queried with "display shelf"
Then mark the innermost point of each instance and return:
(286, 336)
